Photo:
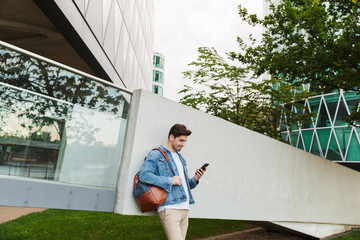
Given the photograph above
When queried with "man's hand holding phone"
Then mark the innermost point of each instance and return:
(200, 172)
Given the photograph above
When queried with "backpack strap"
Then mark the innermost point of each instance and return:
(163, 153)
(136, 178)
(166, 157)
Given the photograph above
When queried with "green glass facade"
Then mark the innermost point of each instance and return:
(327, 134)
(158, 74)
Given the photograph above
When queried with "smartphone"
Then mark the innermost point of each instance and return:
(204, 166)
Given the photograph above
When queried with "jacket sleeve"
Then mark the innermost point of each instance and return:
(193, 183)
(148, 173)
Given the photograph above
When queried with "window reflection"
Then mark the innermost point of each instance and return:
(59, 125)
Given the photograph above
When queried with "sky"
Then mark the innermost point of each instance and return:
(182, 26)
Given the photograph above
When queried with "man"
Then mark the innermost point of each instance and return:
(173, 177)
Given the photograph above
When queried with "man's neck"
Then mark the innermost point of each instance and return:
(169, 147)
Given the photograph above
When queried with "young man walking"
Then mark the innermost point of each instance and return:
(173, 177)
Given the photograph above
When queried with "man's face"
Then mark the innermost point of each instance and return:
(178, 143)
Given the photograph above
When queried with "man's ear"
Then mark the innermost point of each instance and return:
(171, 137)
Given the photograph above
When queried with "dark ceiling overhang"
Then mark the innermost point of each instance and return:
(39, 26)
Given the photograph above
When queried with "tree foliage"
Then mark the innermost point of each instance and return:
(314, 42)
(222, 89)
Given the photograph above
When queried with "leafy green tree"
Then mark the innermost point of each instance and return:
(314, 42)
(222, 89)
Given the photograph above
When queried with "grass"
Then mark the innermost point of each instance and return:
(353, 235)
(75, 225)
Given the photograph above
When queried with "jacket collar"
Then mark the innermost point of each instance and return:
(164, 149)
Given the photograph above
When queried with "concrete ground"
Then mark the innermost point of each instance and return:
(254, 234)
(11, 213)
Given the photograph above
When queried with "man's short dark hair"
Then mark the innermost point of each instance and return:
(178, 130)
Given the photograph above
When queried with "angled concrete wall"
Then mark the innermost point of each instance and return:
(251, 177)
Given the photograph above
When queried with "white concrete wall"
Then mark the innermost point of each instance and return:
(250, 177)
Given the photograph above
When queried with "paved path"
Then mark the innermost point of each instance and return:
(11, 213)
(254, 234)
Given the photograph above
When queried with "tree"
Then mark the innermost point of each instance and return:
(314, 42)
(223, 90)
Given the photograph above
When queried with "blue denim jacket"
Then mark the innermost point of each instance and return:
(157, 171)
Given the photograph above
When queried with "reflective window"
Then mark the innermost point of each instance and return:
(324, 135)
(158, 62)
(294, 138)
(333, 138)
(315, 147)
(158, 77)
(333, 150)
(341, 114)
(158, 90)
(323, 119)
(307, 136)
(57, 124)
(314, 104)
(332, 102)
(343, 135)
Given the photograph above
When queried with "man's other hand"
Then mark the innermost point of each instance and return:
(176, 180)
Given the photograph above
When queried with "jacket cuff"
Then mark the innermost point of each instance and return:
(193, 183)
(170, 184)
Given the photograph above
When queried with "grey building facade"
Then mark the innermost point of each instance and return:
(111, 39)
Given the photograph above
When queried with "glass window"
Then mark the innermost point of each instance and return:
(323, 119)
(300, 144)
(283, 126)
(343, 135)
(351, 99)
(314, 104)
(323, 135)
(158, 62)
(158, 90)
(294, 138)
(308, 122)
(341, 114)
(332, 102)
(315, 147)
(307, 136)
(354, 149)
(161, 63)
(57, 124)
(161, 77)
(333, 150)
(156, 75)
(284, 136)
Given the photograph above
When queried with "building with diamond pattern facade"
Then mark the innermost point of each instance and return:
(328, 134)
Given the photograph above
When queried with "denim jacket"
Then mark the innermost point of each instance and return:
(157, 171)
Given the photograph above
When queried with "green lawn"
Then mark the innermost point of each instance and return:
(355, 235)
(68, 224)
